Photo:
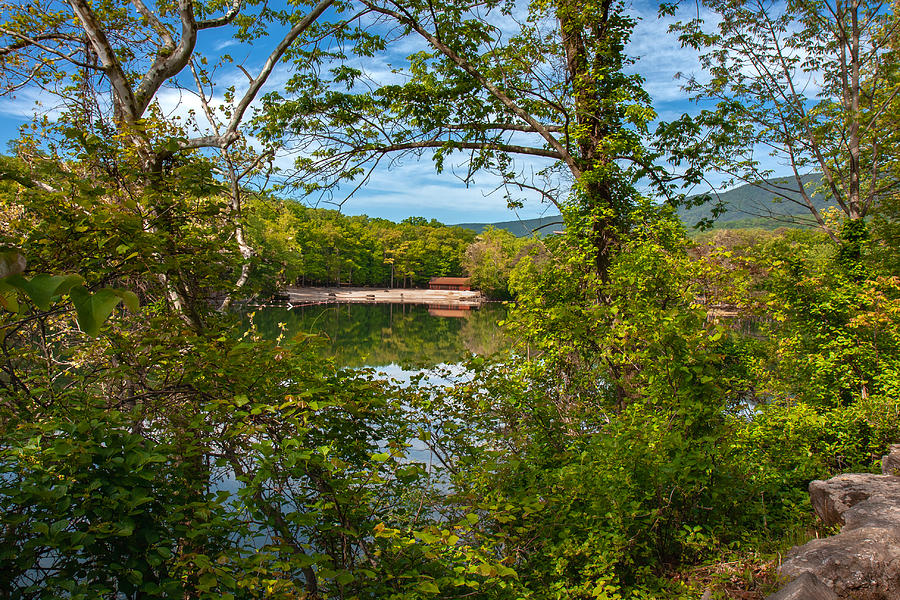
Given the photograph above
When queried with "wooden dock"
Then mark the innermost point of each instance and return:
(306, 296)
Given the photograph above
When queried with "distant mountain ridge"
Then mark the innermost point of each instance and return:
(744, 206)
(751, 205)
(520, 228)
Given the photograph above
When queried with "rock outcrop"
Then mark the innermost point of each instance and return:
(890, 464)
(805, 587)
(863, 560)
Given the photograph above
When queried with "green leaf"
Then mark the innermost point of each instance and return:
(8, 297)
(129, 299)
(344, 577)
(58, 526)
(207, 581)
(429, 588)
(92, 310)
(41, 289)
(426, 537)
(503, 571)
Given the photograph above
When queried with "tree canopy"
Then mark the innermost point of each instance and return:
(814, 85)
(653, 425)
(550, 83)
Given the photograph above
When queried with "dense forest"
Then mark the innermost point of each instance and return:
(302, 246)
(306, 246)
(665, 399)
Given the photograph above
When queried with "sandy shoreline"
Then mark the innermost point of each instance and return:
(321, 295)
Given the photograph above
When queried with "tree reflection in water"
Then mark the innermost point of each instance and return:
(411, 336)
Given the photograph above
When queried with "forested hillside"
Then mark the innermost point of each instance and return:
(751, 205)
(521, 227)
(746, 206)
(743, 207)
(308, 246)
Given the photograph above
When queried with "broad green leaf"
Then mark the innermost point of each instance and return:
(92, 310)
(41, 289)
(426, 537)
(429, 588)
(207, 581)
(8, 297)
(506, 571)
(129, 299)
(344, 577)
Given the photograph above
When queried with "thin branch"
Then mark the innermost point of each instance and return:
(223, 20)
(503, 127)
(511, 148)
(162, 30)
(504, 99)
(25, 41)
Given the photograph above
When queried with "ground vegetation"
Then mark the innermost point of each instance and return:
(632, 443)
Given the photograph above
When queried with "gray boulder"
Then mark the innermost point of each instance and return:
(890, 463)
(857, 499)
(804, 587)
(863, 560)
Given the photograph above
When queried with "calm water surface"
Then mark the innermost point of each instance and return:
(391, 337)
(397, 340)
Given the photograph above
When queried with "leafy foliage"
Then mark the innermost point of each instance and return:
(491, 258)
(316, 246)
(814, 83)
(632, 432)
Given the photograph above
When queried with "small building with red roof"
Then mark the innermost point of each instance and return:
(450, 283)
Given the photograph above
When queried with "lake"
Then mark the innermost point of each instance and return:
(408, 336)
(399, 341)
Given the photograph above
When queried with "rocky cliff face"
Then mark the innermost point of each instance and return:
(863, 560)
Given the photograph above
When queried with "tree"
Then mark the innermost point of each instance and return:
(491, 258)
(554, 89)
(815, 84)
(84, 54)
(151, 412)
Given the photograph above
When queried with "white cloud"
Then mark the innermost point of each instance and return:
(29, 103)
(659, 53)
(226, 43)
(413, 188)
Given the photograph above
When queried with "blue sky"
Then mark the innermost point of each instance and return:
(413, 187)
